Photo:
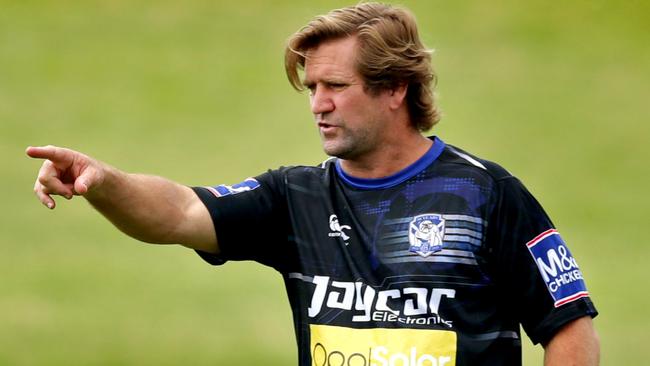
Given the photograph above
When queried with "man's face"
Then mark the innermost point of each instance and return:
(351, 122)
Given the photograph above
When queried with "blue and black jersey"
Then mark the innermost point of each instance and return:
(438, 264)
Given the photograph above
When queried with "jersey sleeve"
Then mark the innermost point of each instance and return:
(250, 220)
(536, 273)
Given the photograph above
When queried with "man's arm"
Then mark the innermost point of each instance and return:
(148, 208)
(576, 344)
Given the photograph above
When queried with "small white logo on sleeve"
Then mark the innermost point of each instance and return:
(225, 190)
(337, 229)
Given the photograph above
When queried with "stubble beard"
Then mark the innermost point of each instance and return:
(348, 144)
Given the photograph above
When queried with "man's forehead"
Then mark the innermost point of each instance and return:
(333, 57)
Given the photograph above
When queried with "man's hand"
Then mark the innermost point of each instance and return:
(148, 208)
(65, 173)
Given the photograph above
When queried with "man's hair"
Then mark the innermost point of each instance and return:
(390, 54)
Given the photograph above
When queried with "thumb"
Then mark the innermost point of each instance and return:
(86, 181)
(81, 186)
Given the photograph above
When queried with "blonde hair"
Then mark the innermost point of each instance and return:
(390, 54)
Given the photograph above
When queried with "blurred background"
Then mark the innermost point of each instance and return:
(557, 92)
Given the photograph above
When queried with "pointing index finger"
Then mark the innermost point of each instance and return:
(55, 154)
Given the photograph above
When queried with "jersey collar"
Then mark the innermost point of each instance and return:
(403, 175)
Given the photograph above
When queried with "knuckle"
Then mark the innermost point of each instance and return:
(43, 179)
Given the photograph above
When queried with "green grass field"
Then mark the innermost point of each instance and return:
(195, 91)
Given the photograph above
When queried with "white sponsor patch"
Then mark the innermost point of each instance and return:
(224, 190)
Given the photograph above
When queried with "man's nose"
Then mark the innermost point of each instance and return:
(321, 101)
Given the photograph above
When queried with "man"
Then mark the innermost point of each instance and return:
(401, 249)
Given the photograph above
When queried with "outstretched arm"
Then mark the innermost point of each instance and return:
(148, 208)
(576, 344)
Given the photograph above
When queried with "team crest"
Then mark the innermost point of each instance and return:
(426, 233)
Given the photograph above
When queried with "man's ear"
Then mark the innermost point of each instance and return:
(397, 96)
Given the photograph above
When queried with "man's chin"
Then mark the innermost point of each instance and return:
(338, 152)
(333, 150)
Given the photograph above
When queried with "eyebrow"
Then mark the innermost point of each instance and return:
(331, 80)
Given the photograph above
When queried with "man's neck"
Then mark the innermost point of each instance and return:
(393, 156)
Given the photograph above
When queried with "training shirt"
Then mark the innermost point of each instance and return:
(438, 264)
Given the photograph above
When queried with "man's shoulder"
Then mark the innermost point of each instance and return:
(297, 170)
(302, 173)
(461, 159)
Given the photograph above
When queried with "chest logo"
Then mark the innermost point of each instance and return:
(426, 233)
(337, 229)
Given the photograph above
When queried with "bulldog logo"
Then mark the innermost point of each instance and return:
(426, 233)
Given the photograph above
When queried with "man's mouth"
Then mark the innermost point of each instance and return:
(323, 126)
(326, 127)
